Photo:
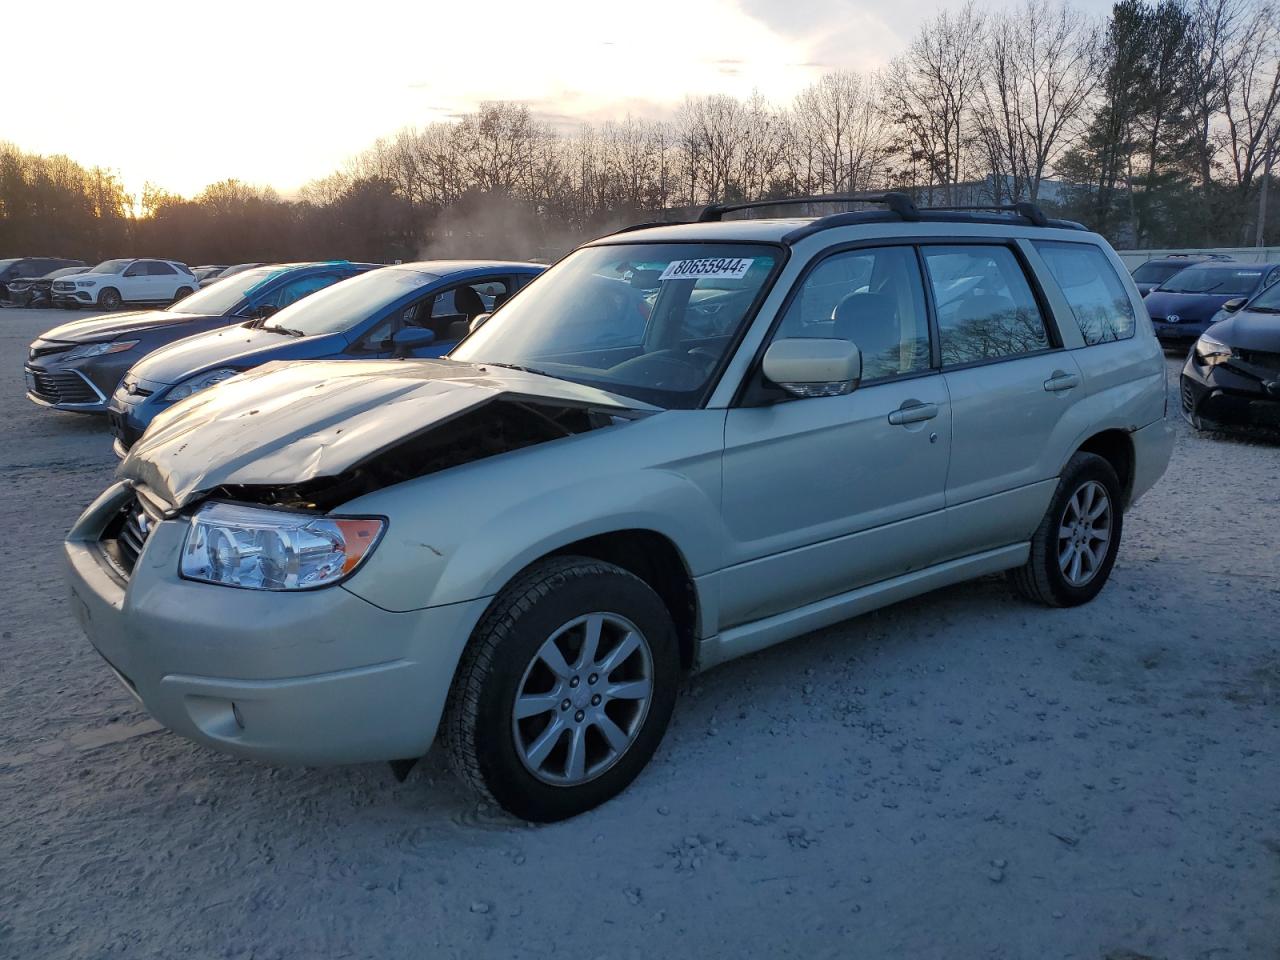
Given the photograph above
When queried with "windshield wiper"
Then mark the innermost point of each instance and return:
(516, 366)
(286, 330)
(1264, 309)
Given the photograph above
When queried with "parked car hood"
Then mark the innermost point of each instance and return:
(233, 346)
(1249, 331)
(1190, 307)
(110, 325)
(287, 423)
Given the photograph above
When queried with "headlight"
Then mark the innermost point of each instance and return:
(200, 381)
(1212, 352)
(98, 349)
(261, 549)
(86, 283)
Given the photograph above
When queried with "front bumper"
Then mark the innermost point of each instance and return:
(130, 413)
(316, 677)
(81, 386)
(1178, 334)
(1232, 394)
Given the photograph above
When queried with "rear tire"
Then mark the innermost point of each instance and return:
(541, 720)
(1075, 546)
(109, 299)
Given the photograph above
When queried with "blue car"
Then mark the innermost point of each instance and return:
(408, 310)
(1186, 304)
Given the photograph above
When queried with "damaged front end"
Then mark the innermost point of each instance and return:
(316, 434)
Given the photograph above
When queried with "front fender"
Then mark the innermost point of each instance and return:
(465, 532)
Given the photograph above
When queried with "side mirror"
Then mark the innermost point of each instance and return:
(407, 339)
(1231, 306)
(811, 367)
(478, 322)
(263, 310)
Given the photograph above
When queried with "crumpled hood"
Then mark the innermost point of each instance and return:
(235, 346)
(286, 423)
(111, 325)
(1189, 307)
(1249, 331)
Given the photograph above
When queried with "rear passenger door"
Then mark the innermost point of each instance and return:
(825, 494)
(1011, 385)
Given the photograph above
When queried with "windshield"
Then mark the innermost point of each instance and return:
(651, 321)
(217, 299)
(1268, 301)
(345, 305)
(1224, 281)
(1157, 272)
(111, 266)
(6, 264)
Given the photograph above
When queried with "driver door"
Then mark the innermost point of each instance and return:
(826, 494)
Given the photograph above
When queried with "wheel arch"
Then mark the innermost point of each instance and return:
(655, 559)
(1116, 447)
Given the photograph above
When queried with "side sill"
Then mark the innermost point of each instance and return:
(759, 634)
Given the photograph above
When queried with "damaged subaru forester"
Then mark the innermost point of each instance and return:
(679, 445)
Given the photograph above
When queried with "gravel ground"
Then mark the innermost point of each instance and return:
(960, 776)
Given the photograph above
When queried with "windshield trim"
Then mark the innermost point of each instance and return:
(731, 348)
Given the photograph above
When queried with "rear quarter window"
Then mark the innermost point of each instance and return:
(1093, 289)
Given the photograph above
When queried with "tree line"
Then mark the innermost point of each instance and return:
(1157, 125)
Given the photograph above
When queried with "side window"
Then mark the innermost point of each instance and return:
(985, 307)
(449, 314)
(295, 290)
(1089, 282)
(157, 269)
(873, 297)
(138, 269)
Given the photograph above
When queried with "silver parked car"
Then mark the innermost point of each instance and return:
(679, 445)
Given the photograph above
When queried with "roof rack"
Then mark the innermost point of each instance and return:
(1022, 208)
(898, 203)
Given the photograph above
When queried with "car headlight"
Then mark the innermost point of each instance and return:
(86, 283)
(1212, 352)
(201, 381)
(99, 349)
(263, 549)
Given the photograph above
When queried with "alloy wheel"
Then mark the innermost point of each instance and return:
(1084, 533)
(583, 699)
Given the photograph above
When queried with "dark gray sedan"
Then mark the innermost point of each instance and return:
(77, 366)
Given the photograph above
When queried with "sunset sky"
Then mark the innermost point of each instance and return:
(280, 93)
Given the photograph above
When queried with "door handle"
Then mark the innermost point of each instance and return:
(1061, 381)
(913, 411)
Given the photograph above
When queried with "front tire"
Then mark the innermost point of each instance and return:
(110, 299)
(564, 691)
(1075, 546)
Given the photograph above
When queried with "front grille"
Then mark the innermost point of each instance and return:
(66, 387)
(46, 348)
(1260, 358)
(125, 536)
(63, 285)
(1188, 398)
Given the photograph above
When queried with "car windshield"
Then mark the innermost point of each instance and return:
(1157, 272)
(6, 264)
(1224, 281)
(111, 266)
(653, 321)
(346, 304)
(217, 299)
(1268, 301)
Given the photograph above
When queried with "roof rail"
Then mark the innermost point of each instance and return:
(645, 225)
(898, 203)
(1022, 208)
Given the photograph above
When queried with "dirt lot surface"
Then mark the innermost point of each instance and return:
(959, 776)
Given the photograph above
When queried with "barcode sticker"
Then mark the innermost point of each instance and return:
(714, 268)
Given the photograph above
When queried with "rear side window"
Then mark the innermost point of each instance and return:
(1093, 289)
(986, 310)
(157, 269)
